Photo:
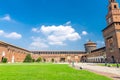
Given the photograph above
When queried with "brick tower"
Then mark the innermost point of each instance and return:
(112, 32)
(89, 46)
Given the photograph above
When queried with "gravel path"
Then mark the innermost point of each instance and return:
(111, 72)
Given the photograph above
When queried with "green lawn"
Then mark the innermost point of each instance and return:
(44, 71)
(112, 65)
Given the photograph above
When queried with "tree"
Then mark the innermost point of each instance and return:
(4, 60)
(39, 59)
(33, 60)
(28, 58)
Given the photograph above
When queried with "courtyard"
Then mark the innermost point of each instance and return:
(45, 71)
(110, 71)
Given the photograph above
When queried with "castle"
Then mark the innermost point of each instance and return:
(109, 53)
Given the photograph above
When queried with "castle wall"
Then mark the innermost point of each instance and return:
(12, 53)
(59, 56)
(97, 56)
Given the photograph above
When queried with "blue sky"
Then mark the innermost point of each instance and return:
(52, 24)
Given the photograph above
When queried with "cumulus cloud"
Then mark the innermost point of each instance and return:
(84, 33)
(57, 35)
(1, 32)
(12, 35)
(6, 18)
(38, 43)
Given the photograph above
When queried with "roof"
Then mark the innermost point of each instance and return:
(102, 48)
(4, 43)
(57, 51)
(90, 42)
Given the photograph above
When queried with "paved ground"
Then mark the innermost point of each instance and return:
(111, 72)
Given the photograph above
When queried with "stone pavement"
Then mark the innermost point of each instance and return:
(111, 72)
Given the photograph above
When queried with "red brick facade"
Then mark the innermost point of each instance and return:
(59, 56)
(112, 32)
(12, 53)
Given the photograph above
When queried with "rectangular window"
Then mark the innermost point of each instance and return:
(115, 6)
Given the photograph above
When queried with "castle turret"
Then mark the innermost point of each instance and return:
(89, 46)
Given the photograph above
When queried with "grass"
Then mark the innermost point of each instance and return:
(112, 65)
(44, 71)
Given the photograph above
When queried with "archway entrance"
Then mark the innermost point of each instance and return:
(113, 59)
(62, 59)
(2, 58)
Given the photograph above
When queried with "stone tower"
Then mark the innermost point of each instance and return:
(89, 46)
(112, 32)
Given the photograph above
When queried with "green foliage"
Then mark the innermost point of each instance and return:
(39, 59)
(28, 58)
(4, 60)
(33, 60)
(109, 65)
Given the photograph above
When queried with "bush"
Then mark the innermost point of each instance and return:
(109, 65)
(28, 58)
(4, 60)
(33, 60)
(39, 59)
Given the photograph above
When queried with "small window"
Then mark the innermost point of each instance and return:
(115, 6)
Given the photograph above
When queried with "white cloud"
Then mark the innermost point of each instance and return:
(56, 40)
(57, 35)
(35, 30)
(84, 33)
(12, 35)
(68, 23)
(38, 43)
(1, 32)
(57, 43)
(54, 35)
(6, 18)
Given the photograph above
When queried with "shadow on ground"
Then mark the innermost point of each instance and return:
(117, 78)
